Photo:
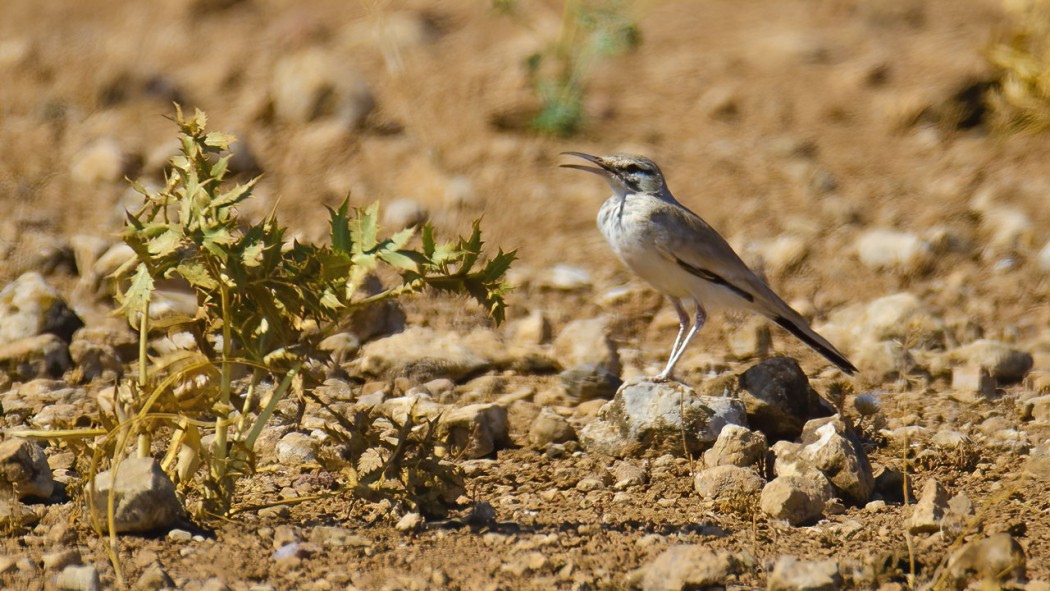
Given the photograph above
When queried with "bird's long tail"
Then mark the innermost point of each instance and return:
(802, 331)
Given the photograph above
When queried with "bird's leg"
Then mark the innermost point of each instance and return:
(683, 324)
(698, 323)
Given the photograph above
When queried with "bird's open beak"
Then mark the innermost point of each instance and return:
(601, 169)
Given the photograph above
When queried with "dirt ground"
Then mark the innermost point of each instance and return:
(818, 119)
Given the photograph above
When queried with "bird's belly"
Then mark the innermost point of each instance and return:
(631, 240)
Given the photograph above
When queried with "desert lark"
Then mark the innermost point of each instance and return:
(683, 257)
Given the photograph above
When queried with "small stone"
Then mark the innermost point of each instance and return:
(60, 559)
(958, 517)
(534, 329)
(728, 483)
(296, 448)
(626, 474)
(797, 499)
(587, 342)
(421, 354)
(1038, 462)
(736, 446)
(779, 399)
(1044, 257)
(153, 578)
(326, 535)
(833, 447)
(145, 497)
(683, 567)
(995, 559)
(791, 574)
(79, 578)
(971, 383)
(101, 161)
(1006, 364)
(24, 469)
(550, 427)
(655, 416)
(589, 484)
(565, 278)
(588, 382)
(898, 251)
(410, 522)
(95, 350)
(314, 83)
(476, 430)
(403, 213)
(926, 515)
(39, 356)
(29, 306)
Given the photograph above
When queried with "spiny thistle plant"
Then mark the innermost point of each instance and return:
(264, 304)
(590, 31)
(1022, 100)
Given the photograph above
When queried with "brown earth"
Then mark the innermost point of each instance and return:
(811, 118)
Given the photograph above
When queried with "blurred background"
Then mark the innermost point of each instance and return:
(849, 149)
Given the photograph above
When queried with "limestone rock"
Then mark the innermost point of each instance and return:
(653, 415)
(728, 482)
(29, 306)
(797, 499)
(476, 430)
(887, 249)
(995, 559)
(1006, 364)
(421, 354)
(587, 342)
(549, 427)
(736, 446)
(24, 469)
(684, 567)
(145, 497)
(926, 515)
(791, 574)
(833, 447)
(588, 382)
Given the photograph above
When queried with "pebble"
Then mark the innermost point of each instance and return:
(534, 329)
(791, 574)
(476, 430)
(683, 567)
(421, 354)
(314, 83)
(79, 578)
(101, 161)
(902, 252)
(926, 515)
(60, 559)
(410, 522)
(728, 483)
(796, 499)
(153, 578)
(1004, 363)
(179, 535)
(736, 446)
(997, 558)
(587, 342)
(833, 447)
(403, 213)
(295, 449)
(563, 277)
(145, 496)
(1043, 257)
(549, 427)
(589, 382)
(30, 306)
(24, 469)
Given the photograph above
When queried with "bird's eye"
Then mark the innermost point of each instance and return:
(633, 169)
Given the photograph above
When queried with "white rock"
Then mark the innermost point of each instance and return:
(1044, 257)
(403, 213)
(296, 448)
(791, 574)
(102, 161)
(30, 306)
(684, 567)
(565, 278)
(1003, 362)
(79, 578)
(736, 446)
(656, 416)
(887, 249)
(550, 427)
(420, 353)
(926, 515)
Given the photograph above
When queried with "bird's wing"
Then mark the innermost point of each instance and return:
(692, 244)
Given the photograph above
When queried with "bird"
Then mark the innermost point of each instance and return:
(683, 257)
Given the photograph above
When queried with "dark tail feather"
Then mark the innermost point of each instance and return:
(818, 343)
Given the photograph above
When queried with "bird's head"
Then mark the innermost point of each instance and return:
(625, 173)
